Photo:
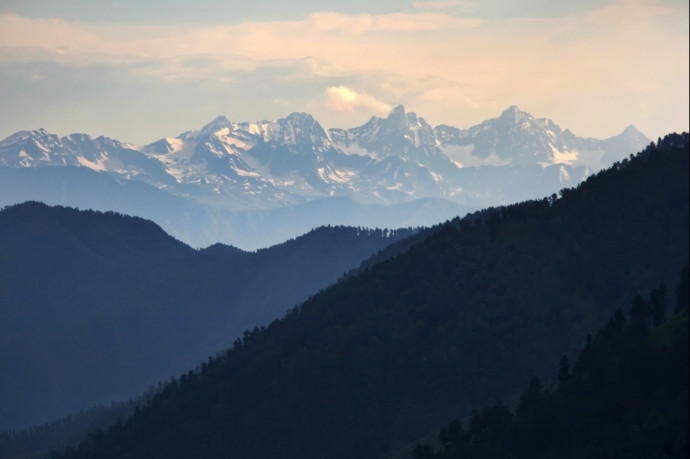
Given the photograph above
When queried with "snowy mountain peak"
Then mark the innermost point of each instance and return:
(297, 129)
(37, 135)
(300, 117)
(29, 149)
(515, 116)
(396, 119)
(630, 134)
(517, 137)
(632, 131)
(629, 141)
(399, 110)
(163, 146)
(512, 110)
(397, 123)
(76, 137)
(218, 123)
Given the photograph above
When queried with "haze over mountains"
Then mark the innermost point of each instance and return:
(96, 307)
(256, 184)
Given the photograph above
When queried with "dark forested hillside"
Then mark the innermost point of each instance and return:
(626, 396)
(453, 324)
(95, 306)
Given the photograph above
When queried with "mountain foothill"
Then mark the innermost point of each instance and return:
(96, 307)
(437, 326)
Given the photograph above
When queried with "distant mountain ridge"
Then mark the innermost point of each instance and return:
(229, 166)
(517, 137)
(97, 306)
(294, 158)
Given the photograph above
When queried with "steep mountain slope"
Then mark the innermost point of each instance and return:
(457, 321)
(227, 168)
(98, 306)
(626, 396)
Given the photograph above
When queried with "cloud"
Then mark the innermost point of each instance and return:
(445, 5)
(342, 99)
(242, 45)
(609, 61)
(392, 22)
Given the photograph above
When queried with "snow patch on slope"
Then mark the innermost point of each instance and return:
(563, 157)
(95, 165)
(563, 175)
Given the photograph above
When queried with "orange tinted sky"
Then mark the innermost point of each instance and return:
(141, 74)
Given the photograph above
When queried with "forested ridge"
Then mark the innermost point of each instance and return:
(38, 441)
(626, 396)
(95, 307)
(453, 324)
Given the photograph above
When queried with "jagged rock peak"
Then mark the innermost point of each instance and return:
(217, 124)
(514, 114)
(632, 130)
(397, 111)
(305, 121)
(630, 133)
(396, 117)
(300, 117)
(25, 135)
(162, 146)
(39, 137)
(77, 137)
(302, 128)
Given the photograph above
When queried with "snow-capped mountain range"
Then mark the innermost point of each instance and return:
(230, 166)
(517, 137)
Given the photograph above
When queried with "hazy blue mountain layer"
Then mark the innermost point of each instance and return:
(95, 307)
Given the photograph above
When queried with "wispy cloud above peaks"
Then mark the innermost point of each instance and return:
(342, 99)
(455, 61)
(446, 5)
(392, 22)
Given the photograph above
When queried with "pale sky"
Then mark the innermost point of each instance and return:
(138, 71)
